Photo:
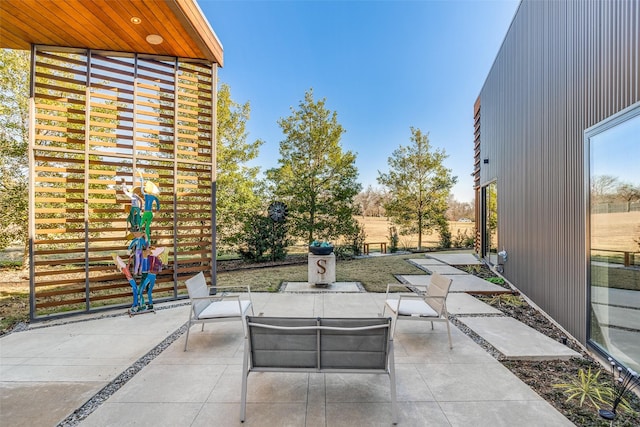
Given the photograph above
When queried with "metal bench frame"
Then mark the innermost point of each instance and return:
(322, 345)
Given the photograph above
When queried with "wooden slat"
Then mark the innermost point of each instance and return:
(60, 213)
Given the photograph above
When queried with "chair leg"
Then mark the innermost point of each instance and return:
(245, 375)
(187, 338)
(392, 380)
(449, 333)
(432, 326)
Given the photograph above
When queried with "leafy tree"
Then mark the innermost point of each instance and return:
(603, 188)
(629, 192)
(418, 185)
(14, 114)
(458, 210)
(315, 177)
(237, 192)
(370, 202)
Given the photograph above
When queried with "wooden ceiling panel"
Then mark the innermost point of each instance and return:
(106, 25)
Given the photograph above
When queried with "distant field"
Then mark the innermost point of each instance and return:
(616, 231)
(377, 230)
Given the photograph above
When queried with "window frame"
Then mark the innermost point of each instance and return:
(604, 125)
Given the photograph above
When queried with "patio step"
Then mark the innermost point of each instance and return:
(517, 341)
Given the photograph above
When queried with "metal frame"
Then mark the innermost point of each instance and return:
(389, 368)
(610, 122)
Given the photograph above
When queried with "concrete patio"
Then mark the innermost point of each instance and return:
(49, 371)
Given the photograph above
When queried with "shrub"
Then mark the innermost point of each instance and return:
(462, 240)
(263, 239)
(587, 386)
(445, 233)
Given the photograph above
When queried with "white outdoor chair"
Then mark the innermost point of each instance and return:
(221, 307)
(430, 305)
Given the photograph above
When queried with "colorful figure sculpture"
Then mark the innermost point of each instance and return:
(136, 247)
(147, 261)
(124, 268)
(149, 191)
(154, 259)
(135, 212)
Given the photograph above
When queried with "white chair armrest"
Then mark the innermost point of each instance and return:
(389, 285)
(247, 287)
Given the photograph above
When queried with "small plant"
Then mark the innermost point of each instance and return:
(587, 386)
(495, 280)
(474, 269)
(462, 240)
(509, 300)
(405, 244)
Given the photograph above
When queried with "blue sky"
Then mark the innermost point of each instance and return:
(383, 66)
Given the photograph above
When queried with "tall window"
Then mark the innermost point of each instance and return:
(614, 240)
(490, 223)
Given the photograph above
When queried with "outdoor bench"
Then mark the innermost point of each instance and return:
(383, 247)
(323, 345)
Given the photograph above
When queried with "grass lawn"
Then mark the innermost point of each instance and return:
(374, 273)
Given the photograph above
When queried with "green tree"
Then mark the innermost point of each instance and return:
(315, 177)
(418, 185)
(237, 186)
(629, 193)
(14, 114)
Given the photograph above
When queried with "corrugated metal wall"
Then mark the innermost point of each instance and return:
(563, 67)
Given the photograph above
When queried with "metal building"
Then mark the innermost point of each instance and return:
(557, 167)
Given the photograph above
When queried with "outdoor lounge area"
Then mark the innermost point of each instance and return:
(112, 369)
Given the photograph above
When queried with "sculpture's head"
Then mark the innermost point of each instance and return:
(151, 188)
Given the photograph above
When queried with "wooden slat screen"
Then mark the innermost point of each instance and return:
(102, 119)
(476, 177)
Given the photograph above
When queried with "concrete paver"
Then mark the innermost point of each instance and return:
(64, 365)
(426, 261)
(456, 258)
(444, 269)
(460, 283)
(471, 283)
(464, 304)
(333, 287)
(516, 340)
(202, 386)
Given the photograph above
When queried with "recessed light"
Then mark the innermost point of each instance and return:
(135, 20)
(154, 39)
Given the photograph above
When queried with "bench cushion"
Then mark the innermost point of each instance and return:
(224, 309)
(412, 306)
